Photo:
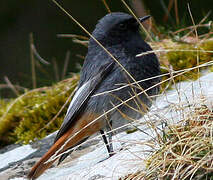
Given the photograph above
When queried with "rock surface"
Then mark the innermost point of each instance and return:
(29, 155)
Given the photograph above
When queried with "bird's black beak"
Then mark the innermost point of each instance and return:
(144, 18)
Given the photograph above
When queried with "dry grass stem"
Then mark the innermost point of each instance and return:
(12, 87)
(66, 62)
(32, 61)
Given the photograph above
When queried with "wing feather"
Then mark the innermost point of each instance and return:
(81, 96)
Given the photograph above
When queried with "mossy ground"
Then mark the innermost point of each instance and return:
(25, 118)
(181, 55)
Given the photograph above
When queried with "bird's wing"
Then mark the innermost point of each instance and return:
(81, 96)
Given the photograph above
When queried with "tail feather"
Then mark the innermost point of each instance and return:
(42, 164)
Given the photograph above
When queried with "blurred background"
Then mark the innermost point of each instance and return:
(45, 21)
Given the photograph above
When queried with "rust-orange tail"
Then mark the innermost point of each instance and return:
(42, 164)
(82, 134)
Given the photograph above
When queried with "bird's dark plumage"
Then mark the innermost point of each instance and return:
(104, 84)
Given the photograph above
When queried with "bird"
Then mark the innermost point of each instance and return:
(115, 87)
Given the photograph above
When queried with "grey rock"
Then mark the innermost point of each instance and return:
(21, 168)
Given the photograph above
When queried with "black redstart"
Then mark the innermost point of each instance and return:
(108, 93)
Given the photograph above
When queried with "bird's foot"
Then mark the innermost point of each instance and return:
(110, 155)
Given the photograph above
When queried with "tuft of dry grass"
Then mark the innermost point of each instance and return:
(184, 149)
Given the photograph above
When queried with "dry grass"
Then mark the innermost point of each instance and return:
(185, 149)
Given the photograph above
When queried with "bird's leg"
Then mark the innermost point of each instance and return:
(108, 144)
(109, 130)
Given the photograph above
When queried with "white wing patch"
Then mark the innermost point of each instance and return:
(79, 91)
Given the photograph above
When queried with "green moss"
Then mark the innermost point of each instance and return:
(25, 118)
(179, 58)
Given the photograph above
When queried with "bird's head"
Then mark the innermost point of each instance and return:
(116, 27)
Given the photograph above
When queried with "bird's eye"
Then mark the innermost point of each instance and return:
(122, 26)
